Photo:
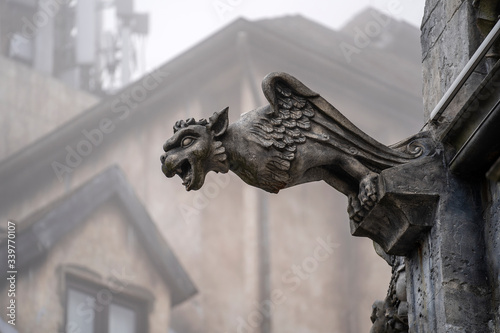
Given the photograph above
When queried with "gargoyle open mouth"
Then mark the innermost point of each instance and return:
(185, 171)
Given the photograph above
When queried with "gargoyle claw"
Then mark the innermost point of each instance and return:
(361, 204)
(368, 191)
(368, 203)
(356, 209)
(353, 208)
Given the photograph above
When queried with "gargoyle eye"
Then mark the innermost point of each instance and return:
(187, 141)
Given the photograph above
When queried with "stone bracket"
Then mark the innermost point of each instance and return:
(407, 205)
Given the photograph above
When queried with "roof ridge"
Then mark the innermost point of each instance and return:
(47, 227)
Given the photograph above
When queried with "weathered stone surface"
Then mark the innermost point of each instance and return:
(391, 314)
(449, 38)
(492, 242)
(409, 197)
(447, 281)
(453, 281)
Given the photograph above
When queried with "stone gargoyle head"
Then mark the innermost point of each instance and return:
(194, 150)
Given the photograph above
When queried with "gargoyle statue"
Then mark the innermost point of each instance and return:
(299, 137)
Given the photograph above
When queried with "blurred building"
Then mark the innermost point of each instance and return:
(96, 252)
(241, 247)
(89, 45)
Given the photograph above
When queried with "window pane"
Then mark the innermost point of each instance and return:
(80, 312)
(121, 319)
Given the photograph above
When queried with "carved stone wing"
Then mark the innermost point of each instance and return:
(281, 127)
(300, 113)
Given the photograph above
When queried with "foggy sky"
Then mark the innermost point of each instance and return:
(175, 26)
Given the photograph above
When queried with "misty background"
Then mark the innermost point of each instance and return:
(89, 93)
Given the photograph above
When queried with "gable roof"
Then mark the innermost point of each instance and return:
(38, 233)
(31, 167)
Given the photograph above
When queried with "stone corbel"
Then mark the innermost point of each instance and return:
(408, 200)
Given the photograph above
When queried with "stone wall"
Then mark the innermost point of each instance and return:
(453, 275)
(448, 289)
(492, 237)
(449, 38)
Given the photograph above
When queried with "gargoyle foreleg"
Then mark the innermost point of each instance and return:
(354, 208)
(367, 195)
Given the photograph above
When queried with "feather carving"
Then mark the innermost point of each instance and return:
(283, 130)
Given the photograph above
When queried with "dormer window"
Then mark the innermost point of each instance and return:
(93, 308)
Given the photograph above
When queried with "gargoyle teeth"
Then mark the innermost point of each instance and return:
(185, 172)
(187, 181)
(220, 150)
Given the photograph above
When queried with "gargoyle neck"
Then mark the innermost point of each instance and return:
(233, 142)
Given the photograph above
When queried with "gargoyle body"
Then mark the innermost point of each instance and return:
(299, 137)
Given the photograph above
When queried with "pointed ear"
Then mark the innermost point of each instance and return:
(218, 122)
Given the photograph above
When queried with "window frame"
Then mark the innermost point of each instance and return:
(101, 318)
